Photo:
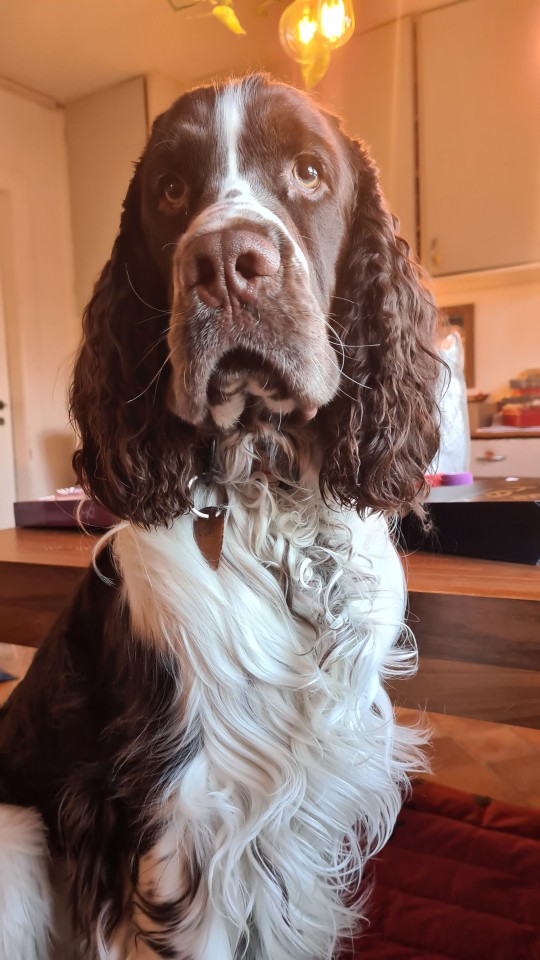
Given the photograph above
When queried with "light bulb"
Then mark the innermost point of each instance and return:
(335, 20)
(298, 31)
(307, 29)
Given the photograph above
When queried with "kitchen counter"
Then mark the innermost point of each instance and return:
(500, 432)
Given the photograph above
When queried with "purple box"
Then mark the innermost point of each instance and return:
(62, 511)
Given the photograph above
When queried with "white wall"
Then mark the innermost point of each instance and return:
(161, 91)
(507, 321)
(105, 135)
(42, 325)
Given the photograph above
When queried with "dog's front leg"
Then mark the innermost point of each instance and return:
(172, 910)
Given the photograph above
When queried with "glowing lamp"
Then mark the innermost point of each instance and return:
(335, 21)
(298, 31)
(310, 29)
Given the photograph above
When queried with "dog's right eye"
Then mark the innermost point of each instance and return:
(172, 190)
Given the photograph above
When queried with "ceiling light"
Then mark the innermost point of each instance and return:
(310, 29)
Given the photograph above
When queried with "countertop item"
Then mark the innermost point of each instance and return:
(497, 519)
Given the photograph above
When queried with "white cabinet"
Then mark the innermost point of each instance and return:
(371, 86)
(479, 134)
(513, 457)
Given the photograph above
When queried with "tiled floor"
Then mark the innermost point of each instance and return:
(499, 761)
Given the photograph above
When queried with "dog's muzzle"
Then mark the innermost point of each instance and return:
(250, 345)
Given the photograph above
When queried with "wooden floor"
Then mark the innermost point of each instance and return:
(491, 759)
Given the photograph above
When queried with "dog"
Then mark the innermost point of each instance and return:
(203, 754)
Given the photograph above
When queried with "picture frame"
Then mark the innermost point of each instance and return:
(461, 318)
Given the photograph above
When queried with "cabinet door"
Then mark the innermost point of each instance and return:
(506, 458)
(479, 128)
(370, 85)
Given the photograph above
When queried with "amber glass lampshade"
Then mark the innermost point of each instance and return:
(307, 26)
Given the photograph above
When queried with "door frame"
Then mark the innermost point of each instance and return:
(8, 481)
(16, 252)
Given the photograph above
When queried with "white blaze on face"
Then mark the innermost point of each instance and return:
(230, 116)
(230, 120)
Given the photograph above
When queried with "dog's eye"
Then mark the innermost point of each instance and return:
(306, 173)
(172, 191)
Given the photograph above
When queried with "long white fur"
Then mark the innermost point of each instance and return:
(26, 903)
(298, 756)
(302, 761)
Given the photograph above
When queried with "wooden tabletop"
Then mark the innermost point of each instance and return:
(426, 572)
(471, 577)
(56, 548)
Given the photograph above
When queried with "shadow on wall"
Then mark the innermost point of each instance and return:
(57, 450)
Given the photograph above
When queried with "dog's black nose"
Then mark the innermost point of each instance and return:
(229, 265)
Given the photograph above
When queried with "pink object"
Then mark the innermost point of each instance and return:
(456, 479)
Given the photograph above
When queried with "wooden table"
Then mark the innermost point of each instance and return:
(477, 625)
(39, 570)
(477, 622)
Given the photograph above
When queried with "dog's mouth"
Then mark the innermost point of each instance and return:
(246, 388)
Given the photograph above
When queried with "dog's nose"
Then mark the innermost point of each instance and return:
(229, 265)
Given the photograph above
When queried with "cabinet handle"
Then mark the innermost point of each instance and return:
(492, 458)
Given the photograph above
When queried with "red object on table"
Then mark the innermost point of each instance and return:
(523, 417)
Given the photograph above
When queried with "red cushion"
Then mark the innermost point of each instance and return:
(459, 880)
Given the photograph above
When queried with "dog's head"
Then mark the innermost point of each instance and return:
(257, 285)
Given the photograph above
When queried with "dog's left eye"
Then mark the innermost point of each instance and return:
(306, 173)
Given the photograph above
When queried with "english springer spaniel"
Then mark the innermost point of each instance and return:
(203, 755)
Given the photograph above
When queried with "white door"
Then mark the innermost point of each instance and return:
(7, 460)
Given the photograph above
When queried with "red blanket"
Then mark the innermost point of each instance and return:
(459, 880)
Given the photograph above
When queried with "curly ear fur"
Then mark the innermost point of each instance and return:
(134, 456)
(381, 431)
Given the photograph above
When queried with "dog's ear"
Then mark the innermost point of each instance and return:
(381, 432)
(134, 457)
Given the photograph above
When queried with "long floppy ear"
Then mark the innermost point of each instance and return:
(381, 432)
(134, 457)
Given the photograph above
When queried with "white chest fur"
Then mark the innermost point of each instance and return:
(282, 651)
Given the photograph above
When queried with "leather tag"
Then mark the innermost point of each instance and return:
(208, 533)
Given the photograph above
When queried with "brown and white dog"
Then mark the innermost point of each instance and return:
(203, 746)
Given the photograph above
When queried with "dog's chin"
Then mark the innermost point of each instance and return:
(247, 391)
(242, 391)
(250, 368)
